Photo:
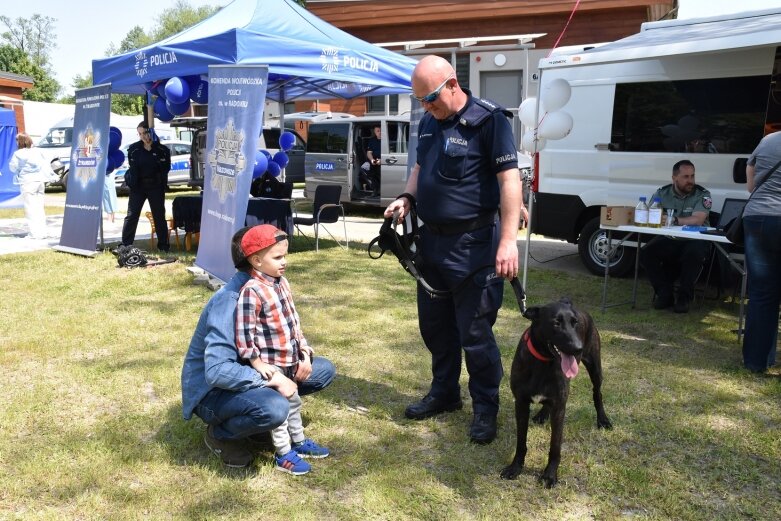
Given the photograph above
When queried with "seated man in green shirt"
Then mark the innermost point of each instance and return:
(666, 259)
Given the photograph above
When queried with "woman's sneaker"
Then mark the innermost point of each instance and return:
(292, 464)
(310, 449)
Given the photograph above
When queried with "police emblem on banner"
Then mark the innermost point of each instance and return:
(226, 159)
(87, 156)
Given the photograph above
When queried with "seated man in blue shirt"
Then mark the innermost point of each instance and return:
(232, 398)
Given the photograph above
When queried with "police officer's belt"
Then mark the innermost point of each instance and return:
(482, 221)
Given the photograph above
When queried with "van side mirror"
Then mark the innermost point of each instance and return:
(739, 170)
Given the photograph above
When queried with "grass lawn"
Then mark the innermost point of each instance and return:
(92, 429)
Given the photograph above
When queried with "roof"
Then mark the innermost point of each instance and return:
(690, 36)
(307, 57)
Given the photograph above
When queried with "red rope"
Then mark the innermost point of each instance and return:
(574, 8)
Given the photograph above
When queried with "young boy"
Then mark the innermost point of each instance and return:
(268, 335)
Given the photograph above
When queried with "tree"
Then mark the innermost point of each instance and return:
(45, 88)
(33, 36)
(179, 17)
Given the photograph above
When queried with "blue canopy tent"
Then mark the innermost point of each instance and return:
(9, 192)
(307, 57)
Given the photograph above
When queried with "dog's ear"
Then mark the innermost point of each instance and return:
(532, 313)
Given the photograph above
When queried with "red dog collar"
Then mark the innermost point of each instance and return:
(527, 339)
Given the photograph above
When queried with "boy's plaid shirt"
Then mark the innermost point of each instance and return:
(267, 324)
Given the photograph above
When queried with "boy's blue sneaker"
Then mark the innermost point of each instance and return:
(310, 449)
(292, 464)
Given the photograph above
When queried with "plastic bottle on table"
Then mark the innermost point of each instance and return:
(641, 213)
(655, 213)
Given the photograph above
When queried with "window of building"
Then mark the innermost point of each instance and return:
(718, 115)
(376, 104)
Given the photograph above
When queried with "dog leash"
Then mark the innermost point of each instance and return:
(401, 247)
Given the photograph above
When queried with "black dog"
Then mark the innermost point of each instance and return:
(547, 358)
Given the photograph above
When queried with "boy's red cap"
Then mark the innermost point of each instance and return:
(260, 237)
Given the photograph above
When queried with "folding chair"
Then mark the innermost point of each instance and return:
(171, 229)
(325, 210)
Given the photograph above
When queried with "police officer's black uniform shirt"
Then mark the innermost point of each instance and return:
(459, 160)
(151, 166)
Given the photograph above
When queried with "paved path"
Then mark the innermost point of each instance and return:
(544, 253)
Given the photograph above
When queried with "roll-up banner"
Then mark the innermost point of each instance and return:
(87, 171)
(236, 99)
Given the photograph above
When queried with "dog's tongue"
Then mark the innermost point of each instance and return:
(569, 365)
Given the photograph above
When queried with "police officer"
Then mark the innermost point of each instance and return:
(150, 162)
(466, 171)
(664, 258)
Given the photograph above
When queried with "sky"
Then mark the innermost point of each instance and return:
(86, 28)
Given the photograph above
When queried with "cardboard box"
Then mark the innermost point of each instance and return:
(617, 215)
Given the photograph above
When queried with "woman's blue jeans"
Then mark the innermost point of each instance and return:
(236, 415)
(763, 263)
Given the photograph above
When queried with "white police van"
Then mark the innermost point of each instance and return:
(336, 152)
(704, 89)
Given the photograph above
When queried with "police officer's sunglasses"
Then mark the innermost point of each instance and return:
(432, 96)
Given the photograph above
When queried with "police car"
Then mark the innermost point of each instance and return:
(180, 165)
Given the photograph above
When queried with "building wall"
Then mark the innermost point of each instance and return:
(379, 21)
(384, 21)
(11, 86)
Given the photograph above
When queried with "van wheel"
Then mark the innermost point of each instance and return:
(592, 247)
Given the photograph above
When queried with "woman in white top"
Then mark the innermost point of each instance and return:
(31, 170)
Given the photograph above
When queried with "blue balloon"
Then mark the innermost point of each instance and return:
(117, 157)
(160, 88)
(281, 159)
(110, 165)
(273, 169)
(192, 81)
(287, 140)
(161, 111)
(177, 109)
(267, 154)
(261, 164)
(114, 138)
(200, 94)
(177, 91)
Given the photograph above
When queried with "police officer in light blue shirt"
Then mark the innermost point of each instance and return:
(466, 171)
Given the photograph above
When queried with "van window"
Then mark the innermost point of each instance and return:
(398, 137)
(327, 139)
(271, 137)
(718, 116)
(57, 137)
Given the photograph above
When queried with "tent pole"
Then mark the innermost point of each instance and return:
(282, 124)
(528, 223)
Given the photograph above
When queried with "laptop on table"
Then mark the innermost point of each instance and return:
(732, 208)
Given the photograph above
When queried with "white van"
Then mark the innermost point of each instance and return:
(704, 89)
(57, 142)
(336, 152)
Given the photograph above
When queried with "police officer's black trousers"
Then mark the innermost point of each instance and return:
(666, 259)
(465, 319)
(156, 196)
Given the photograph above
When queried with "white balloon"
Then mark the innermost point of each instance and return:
(527, 112)
(555, 125)
(531, 142)
(556, 94)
